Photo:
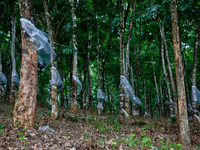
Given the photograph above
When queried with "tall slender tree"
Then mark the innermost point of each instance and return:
(121, 96)
(24, 110)
(127, 103)
(164, 69)
(54, 88)
(12, 93)
(156, 85)
(170, 72)
(183, 116)
(75, 61)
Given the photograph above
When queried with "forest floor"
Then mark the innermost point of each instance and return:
(87, 130)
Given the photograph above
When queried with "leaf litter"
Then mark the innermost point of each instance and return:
(86, 130)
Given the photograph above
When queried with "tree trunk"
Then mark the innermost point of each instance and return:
(194, 68)
(75, 62)
(186, 82)
(90, 105)
(132, 78)
(12, 92)
(183, 116)
(170, 73)
(121, 96)
(62, 99)
(66, 93)
(98, 65)
(24, 110)
(54, 89)
(195, 57)
(103, 85)
(81, 93)
(84, 85)
(154, 76)
(161, 97)
(127, 100)
(164, 70)
(144, 90)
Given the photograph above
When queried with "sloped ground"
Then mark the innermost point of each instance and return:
(86, 130)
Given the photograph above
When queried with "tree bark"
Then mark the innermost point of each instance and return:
(81, 93)
(98, 65)
(154, 76)
(127, 100)
(24, 110)
(75, 62)
(84, 85)
(90, 105)
(161, 97)
(170, 73)
(12, 92)
(121, 96)
(164, 70)
(54, 89)
(62, 99)
(195, 57)
(144, 90)
(183, 116)
(186, 82)
(66, 93)
(194, 68)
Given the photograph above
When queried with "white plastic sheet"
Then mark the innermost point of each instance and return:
(105, 97)
(79, 84)
(3, 79)
(45, 51)
(99, 107)
(99, 94)
(15, 77)
(195, 95)
(128, 90)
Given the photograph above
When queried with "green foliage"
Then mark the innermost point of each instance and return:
(116, 126)
(22, 137)
(85, 135)
(91, 119)
(103, 128)
(101, 141)
(2, 128)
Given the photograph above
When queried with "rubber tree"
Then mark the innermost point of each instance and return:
(98, 65)
(12, 92)
(194, 68)
(24, 109)
(164, 69)
(54, 89)
(170, 72)
(121, 96)
(156, 85)
(89, 84)
(75, 61)
(127, 103)
(183, 116)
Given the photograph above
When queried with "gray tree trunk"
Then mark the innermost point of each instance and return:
(75, 61)
(12, 92)
(54, 89)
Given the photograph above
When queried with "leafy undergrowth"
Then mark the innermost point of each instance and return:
(86, 130)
